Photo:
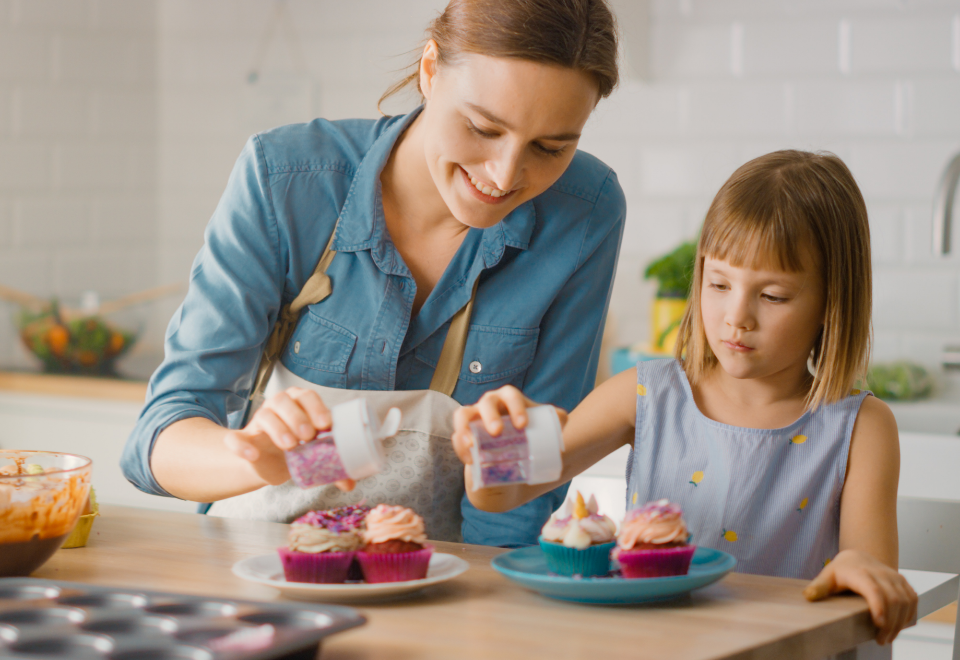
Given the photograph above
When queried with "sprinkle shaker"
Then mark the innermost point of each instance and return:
(530, 455)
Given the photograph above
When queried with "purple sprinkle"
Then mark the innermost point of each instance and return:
(316, 462)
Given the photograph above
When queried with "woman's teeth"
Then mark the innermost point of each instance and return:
(487, 190)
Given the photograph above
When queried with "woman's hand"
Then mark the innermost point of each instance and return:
(281, 423)
(892, 601)
(491, 406)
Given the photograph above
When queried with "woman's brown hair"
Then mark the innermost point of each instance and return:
(783, 210)
(577, 34)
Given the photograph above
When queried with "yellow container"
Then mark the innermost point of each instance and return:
(78, 537)
(665, 317)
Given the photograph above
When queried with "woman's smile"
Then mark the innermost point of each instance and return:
(483, 192)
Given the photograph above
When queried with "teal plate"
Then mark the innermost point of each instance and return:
(528, 567)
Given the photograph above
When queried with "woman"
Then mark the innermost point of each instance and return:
(474, 247)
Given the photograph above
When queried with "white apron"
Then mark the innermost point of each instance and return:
(422, 471)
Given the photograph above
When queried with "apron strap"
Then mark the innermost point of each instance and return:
(317, 287)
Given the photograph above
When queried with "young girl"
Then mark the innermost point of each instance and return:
(755, 428)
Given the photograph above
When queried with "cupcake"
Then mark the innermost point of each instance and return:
(394, 546)
(322, 544)
(653, 542)
(578, 540)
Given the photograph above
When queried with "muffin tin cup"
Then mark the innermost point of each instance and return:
(50, 620)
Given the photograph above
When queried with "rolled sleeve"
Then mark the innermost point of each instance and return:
(214, 341)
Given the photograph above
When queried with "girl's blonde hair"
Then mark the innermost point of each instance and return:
(578, 34)
(774, 211)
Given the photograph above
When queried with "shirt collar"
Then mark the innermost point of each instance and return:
(362, 226)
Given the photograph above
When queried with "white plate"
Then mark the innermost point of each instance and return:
(267, 569)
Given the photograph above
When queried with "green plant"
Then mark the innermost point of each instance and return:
(673, 271)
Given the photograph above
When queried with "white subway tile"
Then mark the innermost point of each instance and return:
(385, 16)
(6, 112)
(107, 59)
(887, 346)
(193, 166)
(125, 15)
(48, 223)
(5, 17)
(681, 50)
(345, 101)
(935, 106)
(46, 14)
(927, 347)
(201, 111)
(674, 170)
(25, 57)
(24, 166)
(27, 270)
(652, 228)
(210, 60)
(789, 47)
(901, 44)
(638, 109)
(124, 221)
(97, 166)
(125, 113)
(184, 216)
(918, 235)
(175, 261)
(888, 169)
(105, 271)
(886, 232)
(722, 109)
(50, 112)
(845, 108)
(915, 299)
(6, 221)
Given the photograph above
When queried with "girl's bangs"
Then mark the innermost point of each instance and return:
(756, 243)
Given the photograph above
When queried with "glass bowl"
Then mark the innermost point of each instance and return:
(86, 344)
(42, 494)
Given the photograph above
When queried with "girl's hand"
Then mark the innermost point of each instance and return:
(892, 601)
(281, 422)
(491, 406)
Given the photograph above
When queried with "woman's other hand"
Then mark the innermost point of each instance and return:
(285, 420)
(507, 400)
(891, 599)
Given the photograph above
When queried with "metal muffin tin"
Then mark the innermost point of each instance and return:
(54, 620)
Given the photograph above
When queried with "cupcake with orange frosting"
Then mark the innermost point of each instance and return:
(653, 542)
(577, 540)
(394, 546)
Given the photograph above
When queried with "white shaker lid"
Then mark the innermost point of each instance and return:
(545, 444)
(356, 434)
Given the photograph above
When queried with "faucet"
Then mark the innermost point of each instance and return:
(943, 207)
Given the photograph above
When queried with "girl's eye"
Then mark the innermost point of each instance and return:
(774, 299)
(556, 153)
(718, 287)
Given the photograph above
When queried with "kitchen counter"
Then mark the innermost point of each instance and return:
(479, 614)
(114, 389)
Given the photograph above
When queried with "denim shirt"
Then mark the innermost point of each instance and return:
(546, 273)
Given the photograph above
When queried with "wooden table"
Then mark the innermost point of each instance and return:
(480, 614)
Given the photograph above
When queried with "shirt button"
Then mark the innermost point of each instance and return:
(296, 347)
(475, 367)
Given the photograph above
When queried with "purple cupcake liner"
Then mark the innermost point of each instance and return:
(315, 567)
(589, 562)
(656, 562)
(395, 566)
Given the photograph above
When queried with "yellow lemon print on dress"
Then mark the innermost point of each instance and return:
(803, 503)
(798, 439)
(697, 477)
(730, 535)
(826, 561)
(641, 390)
(854, 392)
(634, 499)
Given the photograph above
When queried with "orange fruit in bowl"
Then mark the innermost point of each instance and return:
(57, 339)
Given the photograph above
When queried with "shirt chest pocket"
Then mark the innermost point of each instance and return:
(493, 356)
(323, 346)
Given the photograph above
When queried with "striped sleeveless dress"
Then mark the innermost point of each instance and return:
(769, 497)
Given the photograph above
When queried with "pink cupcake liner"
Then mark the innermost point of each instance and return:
(395, 566)
(655, 562)
(315, 567)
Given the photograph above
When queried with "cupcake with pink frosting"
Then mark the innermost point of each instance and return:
(321, 544)
(394, 546)
(653, 542)
(577, 540)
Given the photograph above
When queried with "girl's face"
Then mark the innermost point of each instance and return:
(498, 132)
(761, 323)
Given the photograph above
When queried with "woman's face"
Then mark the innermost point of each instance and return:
(498, 132)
